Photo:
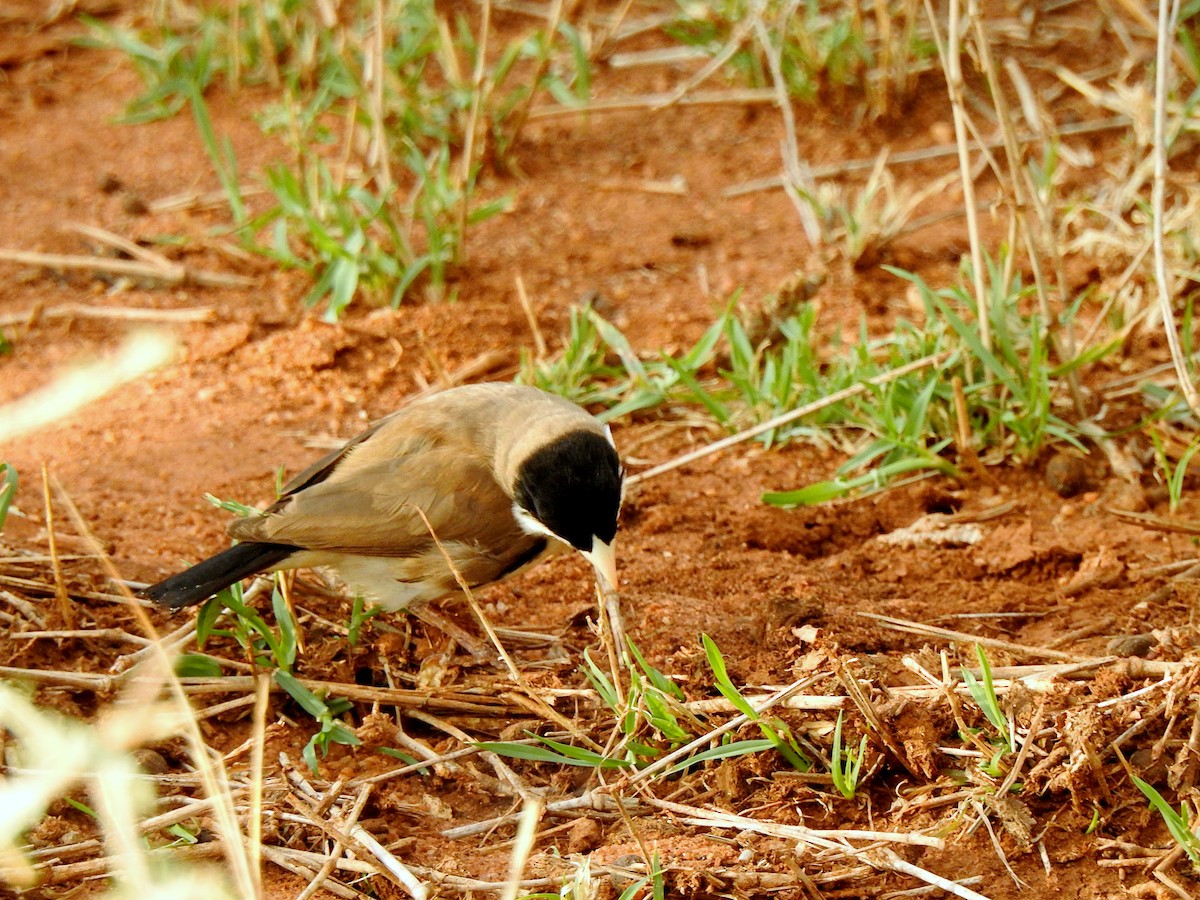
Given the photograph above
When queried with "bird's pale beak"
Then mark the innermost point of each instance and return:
(603, 558)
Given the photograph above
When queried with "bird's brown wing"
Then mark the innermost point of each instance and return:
(364, 499)
(321, 469)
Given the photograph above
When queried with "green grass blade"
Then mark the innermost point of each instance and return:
(657, 678)
(8, 489)
(725, 751)
(566, 755)
(1176, 821)
(312, 704)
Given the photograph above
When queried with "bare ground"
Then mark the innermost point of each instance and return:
(783, 593)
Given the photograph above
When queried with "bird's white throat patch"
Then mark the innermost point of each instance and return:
(530, 525)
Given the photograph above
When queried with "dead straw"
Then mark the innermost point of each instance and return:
(1168, 13)
(172, 274)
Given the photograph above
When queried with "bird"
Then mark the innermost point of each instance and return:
(503, 474)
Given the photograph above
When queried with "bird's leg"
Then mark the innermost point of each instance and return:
(610, 612)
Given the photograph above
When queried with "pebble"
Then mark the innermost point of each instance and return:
(1152, 770)
(1127, 645)
(151, 761)
(135, 205)
(1067, 475)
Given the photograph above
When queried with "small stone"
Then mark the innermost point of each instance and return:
(1067, 475)
(1127, 645)
(1151, 769)
(135, 205)
(151, 761)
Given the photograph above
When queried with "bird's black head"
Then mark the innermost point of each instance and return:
(572, 487)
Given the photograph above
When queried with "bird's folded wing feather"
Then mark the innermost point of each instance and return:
(365, 500)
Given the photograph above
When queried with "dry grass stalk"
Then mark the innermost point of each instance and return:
(751, 20)
(111, 634)
(539, 341)
(951, 57)
(949, 634)
(202, 199)
(174, 274)
(735, 97)
(65, 607)
(887, 859)
(531, 815)
(1159, 523)
(286, 859)
(1167, 16)
(798, 178)
(590, 802)
(905, 157)
(118, 313)
(820, 838)
(484, 703)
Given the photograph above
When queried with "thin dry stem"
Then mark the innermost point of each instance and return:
(531, 815)
(117, 313)
(888, 859)
(737, 97)
(539, 341)
(951, 56)
(523, 113)
(750, 20)
(65, 607)
(1168, 12)
(173, 274)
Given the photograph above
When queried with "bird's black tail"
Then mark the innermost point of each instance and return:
(205, 578)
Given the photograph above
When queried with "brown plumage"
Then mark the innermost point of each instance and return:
(502, 472)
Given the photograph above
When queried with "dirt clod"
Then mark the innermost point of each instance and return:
(584, 836)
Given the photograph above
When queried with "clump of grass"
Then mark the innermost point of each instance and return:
(326, 711)
(580, 884)
(652, 720)
(266, 647)
(173, 64)
(827, 51)
(1014, 393)
(845, 764)
(983, 692)
(598, 366)
(273, 649)
(389, 111)
(773, 730)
